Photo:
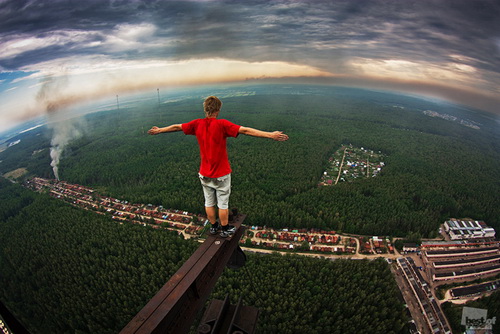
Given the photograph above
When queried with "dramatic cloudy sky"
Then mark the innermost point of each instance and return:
(55, 53)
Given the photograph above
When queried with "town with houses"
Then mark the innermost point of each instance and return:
(469, 124)
(350, 163)
(462, 265)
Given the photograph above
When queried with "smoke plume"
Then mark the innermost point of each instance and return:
(64, 128)
(63, 132)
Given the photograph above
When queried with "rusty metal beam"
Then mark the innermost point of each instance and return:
(8, 322)
(174, 307)
(223, 318)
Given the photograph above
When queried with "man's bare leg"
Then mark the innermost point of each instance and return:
(211, 214)
(226, 229)
(224, 216)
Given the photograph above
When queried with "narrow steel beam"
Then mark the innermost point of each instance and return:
(8, 322)
(223, 318)
(174, 307)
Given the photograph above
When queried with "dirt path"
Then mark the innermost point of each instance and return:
(341, 165)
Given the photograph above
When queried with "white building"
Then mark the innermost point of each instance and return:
(468, 229)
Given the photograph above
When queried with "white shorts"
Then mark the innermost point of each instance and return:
(216, 190)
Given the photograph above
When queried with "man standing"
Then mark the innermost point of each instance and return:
(215, 170)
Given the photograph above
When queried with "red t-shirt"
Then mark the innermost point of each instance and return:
(211, 134)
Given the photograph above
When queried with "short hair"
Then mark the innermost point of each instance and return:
(212, 105)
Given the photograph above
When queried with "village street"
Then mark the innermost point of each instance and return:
(328, 244)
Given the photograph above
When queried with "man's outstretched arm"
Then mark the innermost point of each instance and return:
(171, 128)
(275, 135)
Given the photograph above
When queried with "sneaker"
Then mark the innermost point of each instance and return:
(214, 228)
(227, 231)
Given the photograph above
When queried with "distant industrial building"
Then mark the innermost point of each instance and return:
(410, 247)
(468, 229)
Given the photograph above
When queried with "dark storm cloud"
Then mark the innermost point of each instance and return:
(440, 28)
(46, 19)
(25, 16)
(269, 30)
(450, 42)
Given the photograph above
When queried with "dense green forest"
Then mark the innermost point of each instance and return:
(317, 296)
(435, 168)
(65, 270)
